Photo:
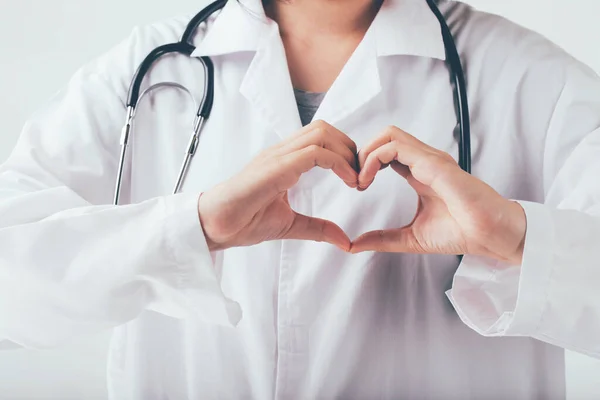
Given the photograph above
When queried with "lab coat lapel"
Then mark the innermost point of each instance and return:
(401, 27)
(268, 87)
(356, 85)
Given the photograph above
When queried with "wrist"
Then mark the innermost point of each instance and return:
(515, 232)
(212, 245)
(505, 239)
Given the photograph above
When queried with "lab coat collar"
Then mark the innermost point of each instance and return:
(240, 26)
(402, 27)
(408, 27)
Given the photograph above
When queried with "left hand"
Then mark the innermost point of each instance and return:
(456, 214)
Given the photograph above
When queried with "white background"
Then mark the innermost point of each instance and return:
(43, 42)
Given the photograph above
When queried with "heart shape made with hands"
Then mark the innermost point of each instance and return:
(456, 214)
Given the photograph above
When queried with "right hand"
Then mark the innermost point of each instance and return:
(252, 207)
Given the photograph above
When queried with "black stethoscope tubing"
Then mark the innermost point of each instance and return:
(185, 47)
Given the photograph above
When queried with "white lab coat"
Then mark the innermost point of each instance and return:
(297, 319)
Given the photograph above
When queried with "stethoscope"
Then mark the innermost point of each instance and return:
(185, 47)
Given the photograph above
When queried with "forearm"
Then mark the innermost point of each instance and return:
(552, 295)
(89, 268)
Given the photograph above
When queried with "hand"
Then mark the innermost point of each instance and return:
(456, 214)
(252, 207)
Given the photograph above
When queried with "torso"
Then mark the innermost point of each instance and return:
(319, 323)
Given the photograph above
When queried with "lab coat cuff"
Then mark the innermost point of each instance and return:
(498, 299)
(198, 291)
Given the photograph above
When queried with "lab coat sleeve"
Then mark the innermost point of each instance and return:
(554, 296)
(72, 264)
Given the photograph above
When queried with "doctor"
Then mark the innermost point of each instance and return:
(285, 280)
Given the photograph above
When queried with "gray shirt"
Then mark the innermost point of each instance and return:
(308, 104)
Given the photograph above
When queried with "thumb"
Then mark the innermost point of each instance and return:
(319, 230)
(387, 241)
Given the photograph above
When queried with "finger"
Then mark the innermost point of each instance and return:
(304, 160)
(380, 157)
(384, 138)
(391, 134)
(401, 170)
(329, 129)
(303, 131)
(318, 230)
(387, 241)
(431, 163)
(332, 130)
(322, 138)
(411, 150)
(404, 171)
